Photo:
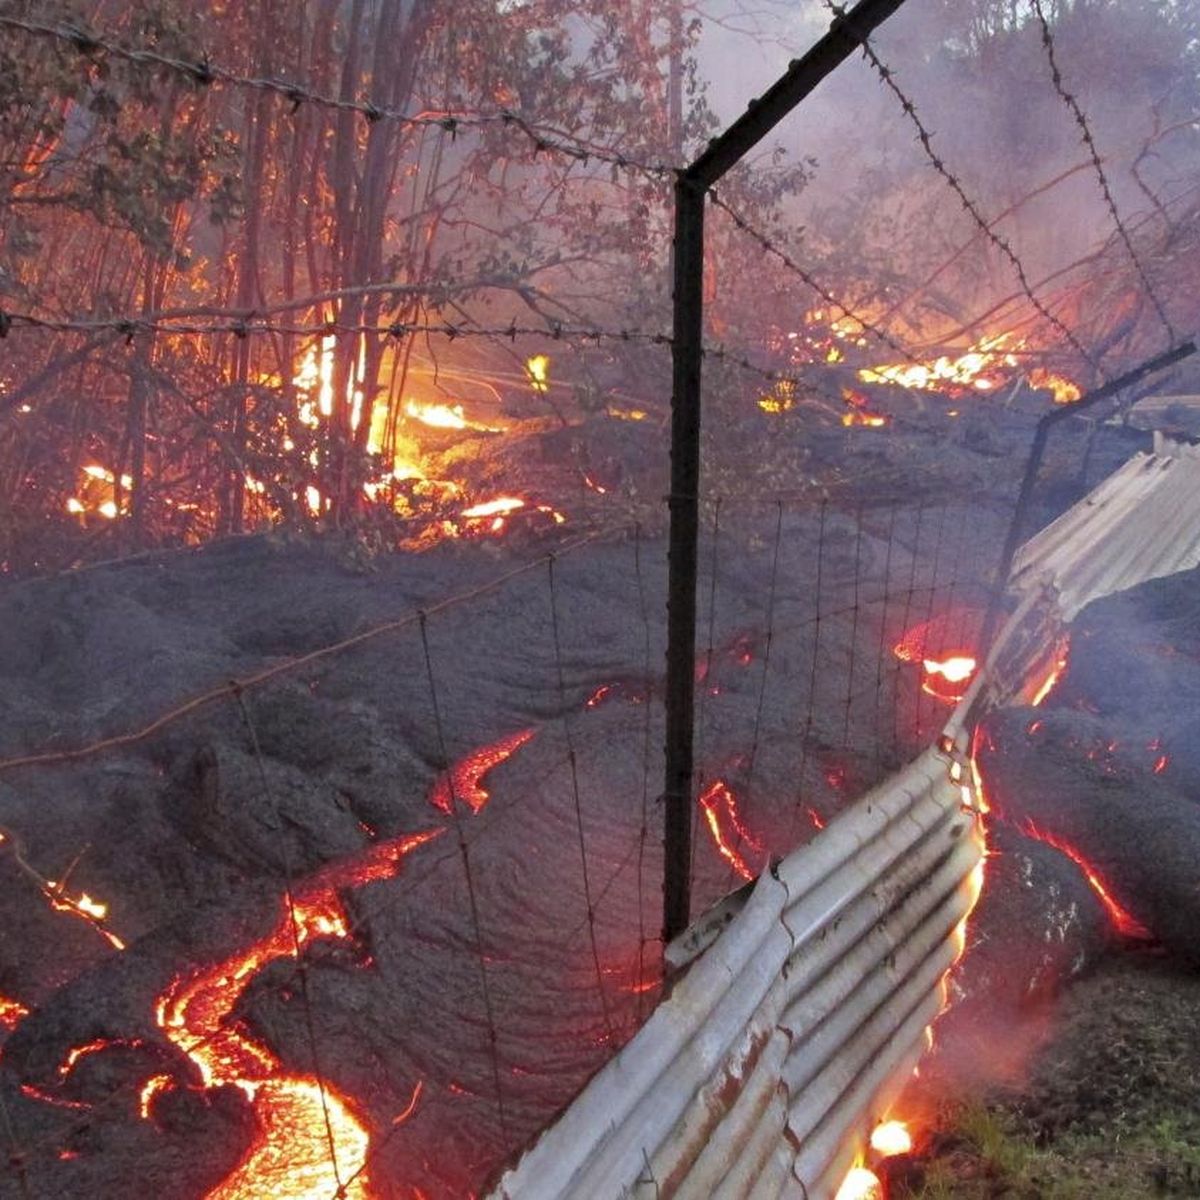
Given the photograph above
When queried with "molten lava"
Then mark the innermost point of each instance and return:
(860, 1184)
(12, 1013)
(310, 1142)
(1123, 920)
(1052, 677)
(890, 1138)
(84, 907)
(464, 783)
(719, 805)
(948, 679)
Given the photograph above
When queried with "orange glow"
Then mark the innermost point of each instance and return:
(464, 781)
(501, 506)
(83, 906)
(1065, 392)
(411, 1106)
(538, 369)
(150, 1089)
(1123, 920)
(982, 367)
(12, 1013)
(297, 1116)
(860, 1184)
(1161, 763)
(947, 679)
(890, 1138)
(718, 800)
(1051, 680)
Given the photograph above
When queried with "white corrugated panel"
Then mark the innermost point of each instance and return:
(1141, 523)
(788, 1028)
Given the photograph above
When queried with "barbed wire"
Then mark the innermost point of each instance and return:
(50, 755)
(925, 137)
(1089, 142)
(782, 255)
(204, 72)
(243, 326)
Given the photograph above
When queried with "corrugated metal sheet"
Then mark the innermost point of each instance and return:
(803, 1012)
(753, 1077)
(1140, 523)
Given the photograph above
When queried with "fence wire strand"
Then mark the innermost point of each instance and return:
(204, 72)
(1089, 142)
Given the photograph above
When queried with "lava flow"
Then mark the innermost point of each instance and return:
(310, 1143)
(718, 800)
(1123, 920)
(463, 782)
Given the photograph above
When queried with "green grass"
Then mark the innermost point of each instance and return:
(983, 1153)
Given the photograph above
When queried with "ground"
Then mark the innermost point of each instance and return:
(1107, 1109)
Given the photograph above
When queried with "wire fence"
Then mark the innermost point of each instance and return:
(420, 856)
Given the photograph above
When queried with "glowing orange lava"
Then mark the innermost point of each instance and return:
(150, 1089)
(12, 1013)
(83, 906)
(717, 801)
(464, 781)
(1123, 920)
(946, 679)
(310, 1142)
(304, 1127)
(890, 1138)
(1049, 683)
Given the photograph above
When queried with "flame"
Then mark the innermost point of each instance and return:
(1065, 392)
(97, 493)
(1123, 920)
(12, 1013)
(719, 798)
(464, 781)
(860, 1184)
(538, 369)
(981, 367)
(442, 416)
(890, 1138)
(501, 506)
